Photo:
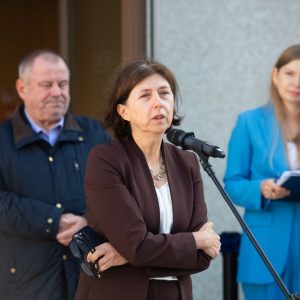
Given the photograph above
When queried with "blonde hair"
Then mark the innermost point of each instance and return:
(288, 55)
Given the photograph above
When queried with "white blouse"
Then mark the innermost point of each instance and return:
(166, 216)
(292, 156)
(165, 208)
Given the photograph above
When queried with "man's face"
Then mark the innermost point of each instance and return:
(45, 91)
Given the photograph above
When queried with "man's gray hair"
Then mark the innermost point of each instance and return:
(26, 63)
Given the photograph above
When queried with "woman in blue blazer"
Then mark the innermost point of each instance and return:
(265, 142)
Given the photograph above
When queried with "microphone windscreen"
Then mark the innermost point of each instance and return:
(175, 136)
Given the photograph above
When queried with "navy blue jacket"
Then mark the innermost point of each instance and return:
(38, 183)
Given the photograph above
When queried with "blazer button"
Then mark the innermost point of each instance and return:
(76, 166)
(13, 270)
(50, 221)
(50, 158)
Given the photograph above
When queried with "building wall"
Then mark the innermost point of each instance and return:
(222, 53)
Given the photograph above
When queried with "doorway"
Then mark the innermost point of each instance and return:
(93, 36)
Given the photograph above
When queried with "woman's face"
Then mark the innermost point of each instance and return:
(149, 107)
(287, 81)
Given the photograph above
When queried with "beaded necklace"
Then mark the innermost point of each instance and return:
(161, 173)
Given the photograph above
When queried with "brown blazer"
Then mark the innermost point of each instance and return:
(122, 206)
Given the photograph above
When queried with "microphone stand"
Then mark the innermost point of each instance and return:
(208, 169)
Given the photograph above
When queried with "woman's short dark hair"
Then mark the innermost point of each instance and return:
(125, 78)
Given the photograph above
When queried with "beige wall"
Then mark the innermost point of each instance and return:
(222, 53)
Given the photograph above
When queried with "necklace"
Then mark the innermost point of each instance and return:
(161, 173)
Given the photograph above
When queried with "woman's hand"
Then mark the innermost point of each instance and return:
(109, 257)
(270, 190)
(208, 240)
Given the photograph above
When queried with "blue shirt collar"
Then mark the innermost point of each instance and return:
(52, 135)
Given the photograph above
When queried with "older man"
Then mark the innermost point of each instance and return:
(43, 153)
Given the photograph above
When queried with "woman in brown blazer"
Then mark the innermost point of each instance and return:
(145, 196)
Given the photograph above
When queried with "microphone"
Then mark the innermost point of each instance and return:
(187, 141)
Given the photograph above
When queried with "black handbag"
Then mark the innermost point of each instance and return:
(83, 242)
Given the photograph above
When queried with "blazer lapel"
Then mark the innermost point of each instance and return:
(274, 141)
(142, 186)
(179, 186)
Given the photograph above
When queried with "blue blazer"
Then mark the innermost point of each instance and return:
(256, 152)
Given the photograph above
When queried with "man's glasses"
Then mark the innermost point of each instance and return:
(80, 246)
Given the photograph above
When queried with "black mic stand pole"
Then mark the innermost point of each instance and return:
(208, 169)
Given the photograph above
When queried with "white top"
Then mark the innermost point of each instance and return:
(292, 156)
(165, 208)
(166, 216)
